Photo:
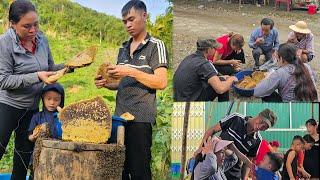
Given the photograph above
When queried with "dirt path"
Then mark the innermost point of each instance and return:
(203, 18)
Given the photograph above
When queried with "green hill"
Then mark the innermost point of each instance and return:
(63, 19)
(67, 19)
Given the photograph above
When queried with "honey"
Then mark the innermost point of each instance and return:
(86, 131)
(86, 121)
(250, 82)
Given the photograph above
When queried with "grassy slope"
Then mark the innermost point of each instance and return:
(79, 85)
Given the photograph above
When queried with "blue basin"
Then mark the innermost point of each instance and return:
(7, 177)
(243, 92)
(116, 121)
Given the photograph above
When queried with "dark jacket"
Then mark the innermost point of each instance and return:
(20, 86)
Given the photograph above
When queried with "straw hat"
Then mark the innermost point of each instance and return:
(300, 27)
(220, 144)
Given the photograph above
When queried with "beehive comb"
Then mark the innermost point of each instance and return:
(95, 109)
(57, 76)
(83, 58)
(104, 73)
(82, 120)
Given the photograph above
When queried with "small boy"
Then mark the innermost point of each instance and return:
(268, 167)
(52, 96)
(290, 168)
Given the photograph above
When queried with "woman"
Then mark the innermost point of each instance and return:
(228, 58)
(294, 80)
(220, 156)
(311, 158)
(25, 63)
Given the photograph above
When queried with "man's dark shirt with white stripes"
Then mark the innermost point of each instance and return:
(234, 128)
(133, 96)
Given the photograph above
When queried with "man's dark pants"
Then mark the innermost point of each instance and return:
(257, 52)
(138, 141)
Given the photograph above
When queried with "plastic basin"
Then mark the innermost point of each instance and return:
(312, 9)
(8, 176)
(116, 121)
(243, 92)
(175, 168)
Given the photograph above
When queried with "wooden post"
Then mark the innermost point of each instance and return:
(312, 110)
(120, 135)
(100, 36)
(184, 139)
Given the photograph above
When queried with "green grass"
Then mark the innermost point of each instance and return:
(79, 85)
(161, 148)
(6, 161)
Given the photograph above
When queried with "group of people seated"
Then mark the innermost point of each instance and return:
(240, 152)
(209, 72)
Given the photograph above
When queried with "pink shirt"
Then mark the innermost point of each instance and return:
(225, 49)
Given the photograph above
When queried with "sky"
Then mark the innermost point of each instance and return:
(113, 7)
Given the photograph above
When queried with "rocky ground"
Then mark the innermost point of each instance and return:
(208, 17)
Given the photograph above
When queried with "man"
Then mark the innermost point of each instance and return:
(302, 38)
(264, 40)
(196, 79)
(244, 132)
(311, 161)
(142, 66)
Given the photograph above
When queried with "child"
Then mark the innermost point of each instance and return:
(52, 96)
(275, 146)
(268, 167)
(308, 143)
(265, 161)
(290, 168)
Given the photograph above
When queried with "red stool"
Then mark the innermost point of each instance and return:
(288, 2)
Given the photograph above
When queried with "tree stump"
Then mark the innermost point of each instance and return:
(70, 160)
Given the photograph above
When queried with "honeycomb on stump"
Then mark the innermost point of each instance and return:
(86, 121)
(45, 133)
